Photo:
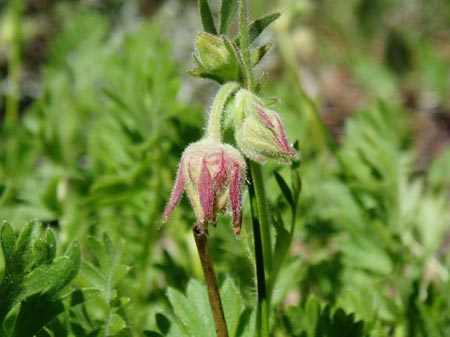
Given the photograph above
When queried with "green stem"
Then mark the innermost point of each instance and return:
(258, 200)
(244, 44)
(214, 126)
(262, 212)
(201, 240)
(262, 313)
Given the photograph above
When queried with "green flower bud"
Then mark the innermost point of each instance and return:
(259, 131)
(214, 60)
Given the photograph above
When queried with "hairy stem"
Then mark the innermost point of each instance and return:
(214, 126)
(244, 44)
(201, 240)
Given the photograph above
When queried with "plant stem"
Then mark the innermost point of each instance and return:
(244, 45)
(258, 200)
(214, 126)
(262, 314)
(262, 212)
(201, 240)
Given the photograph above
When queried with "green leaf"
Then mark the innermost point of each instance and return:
(40, 309)
(108, 271)
(232, 304)
(50, 278)
(258, 26)
(285, 189)
(228, 9)
(163, 323)
(190, 320)
(8, 240)
(206, 16)
(30, 269)
(100, 255)
(257, 54)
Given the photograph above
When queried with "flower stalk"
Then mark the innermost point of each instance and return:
(214, 126)
(258, 200)
(201, 240)
(213, 173)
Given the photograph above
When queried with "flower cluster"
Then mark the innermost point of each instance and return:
(212, 173)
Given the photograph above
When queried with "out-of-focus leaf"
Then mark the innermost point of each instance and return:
(232, 304)
(40, 309)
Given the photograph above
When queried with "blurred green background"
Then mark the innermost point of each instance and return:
(96, 108)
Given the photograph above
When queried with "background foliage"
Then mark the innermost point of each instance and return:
(104, 111)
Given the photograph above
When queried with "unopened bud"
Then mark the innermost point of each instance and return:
(259, 131)
(214, 59)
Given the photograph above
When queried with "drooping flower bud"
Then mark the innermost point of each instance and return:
(212, 174)
(259, 131)
(214, 59)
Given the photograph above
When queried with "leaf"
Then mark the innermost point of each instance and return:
(149, 333)
(109, 271)
(232, 304)
(206, 16)
(40, 309)
(285, 189)
(50, 278)
(163, 323)
(228, 9)
(259, 25)
(30, 269)
(194, 313)
(257, 54)
(189, 318)
(197, 295)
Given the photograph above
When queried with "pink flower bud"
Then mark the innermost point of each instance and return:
(259, 131)
(212, 174)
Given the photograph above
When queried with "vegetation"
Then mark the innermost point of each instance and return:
(97, 107)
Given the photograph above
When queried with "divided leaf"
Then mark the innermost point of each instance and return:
(34, 278)
(194, 314)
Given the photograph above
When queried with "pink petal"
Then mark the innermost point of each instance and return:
(236, 199)
(221, 176)
(205, 191)
(281, 139)
(264, 117)
(177, 192)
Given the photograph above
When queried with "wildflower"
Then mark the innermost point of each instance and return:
(259, 131)
(212, 174)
